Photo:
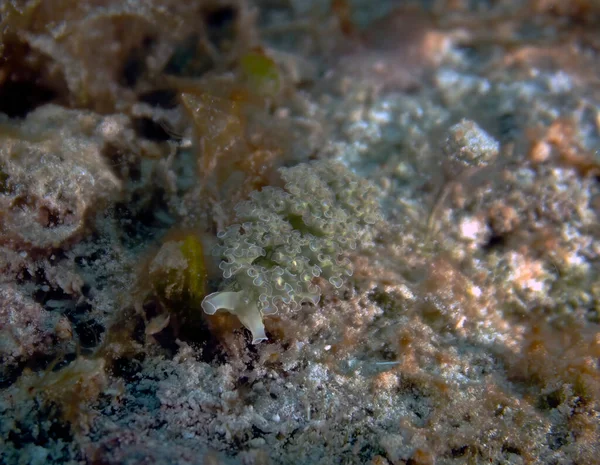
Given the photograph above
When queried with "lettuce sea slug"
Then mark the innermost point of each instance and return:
(285, 239)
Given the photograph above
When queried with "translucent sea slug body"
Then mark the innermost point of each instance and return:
(285, 238)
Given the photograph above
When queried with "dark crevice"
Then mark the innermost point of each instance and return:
(188, 60)
(151, 130)
(495, 242)
(127, 368)
(21, 436)
(459, 451)
(141, 225)
(551, 400)
(123, 165)
(135, 65)
(161, 98)
(67, 359)
(19, 98)
(167, 340)
(508, 126)
(45, 292)
(40, 361)
(220, 18)
(220, 25)
(139, 330)
(510, 449)
(10, 373)
(89, 333)
(76, 312)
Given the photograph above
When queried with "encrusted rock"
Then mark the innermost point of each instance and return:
(468, 145)
(54, 175)
(24, 326)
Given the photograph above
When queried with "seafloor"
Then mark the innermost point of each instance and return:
(424, 250)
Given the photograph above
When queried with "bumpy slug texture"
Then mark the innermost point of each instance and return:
(286, 238)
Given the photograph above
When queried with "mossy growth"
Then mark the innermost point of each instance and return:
(71, 391)
(178, 272)
(260, 73)
(172, 284)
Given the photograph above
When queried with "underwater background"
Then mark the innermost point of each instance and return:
(303, 232)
